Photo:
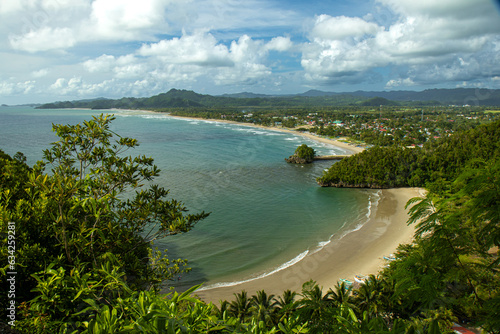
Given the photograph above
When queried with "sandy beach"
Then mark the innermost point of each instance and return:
(360, 252)
(350, 149)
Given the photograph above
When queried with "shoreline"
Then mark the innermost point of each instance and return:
(358, 252)
(350, 149)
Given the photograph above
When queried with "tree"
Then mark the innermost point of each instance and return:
(305, 152)
(263, 307)
(89, 212)
(240, 307)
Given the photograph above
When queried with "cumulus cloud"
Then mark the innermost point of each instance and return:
(40, 73)
(42, 25)
(127, 19)
(44, 39)
(102, 63)
(16, 88)
(184, 60)
(428, 36)
(200, 48)
(337, 28)
(128, 47)
(280, 43)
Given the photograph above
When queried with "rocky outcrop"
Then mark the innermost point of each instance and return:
(342, 184)
(294, 159)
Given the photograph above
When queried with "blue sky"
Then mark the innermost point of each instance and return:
(75, 49)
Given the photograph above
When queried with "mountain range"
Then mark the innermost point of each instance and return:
(176, 98)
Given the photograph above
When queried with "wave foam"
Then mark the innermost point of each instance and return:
(371, 202)
(280, 268)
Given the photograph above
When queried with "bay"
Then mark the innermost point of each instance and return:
(265, 214)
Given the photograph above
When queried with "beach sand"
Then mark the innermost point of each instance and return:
(350, 149)
(359, 252)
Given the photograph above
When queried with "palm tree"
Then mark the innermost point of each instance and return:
(442, 230)
(286, 303)
(341, 295)
(314, 307)
(263, 307)
(370, 296)
(240, 307)
(224, 308)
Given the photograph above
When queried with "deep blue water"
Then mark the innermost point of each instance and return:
(265, 213)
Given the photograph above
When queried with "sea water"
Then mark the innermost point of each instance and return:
(265, 214)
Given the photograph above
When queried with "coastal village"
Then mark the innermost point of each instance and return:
(382, 126)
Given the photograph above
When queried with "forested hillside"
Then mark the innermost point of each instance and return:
(398, 166)
(176, 98)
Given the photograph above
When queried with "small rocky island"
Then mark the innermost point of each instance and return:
(303, 155)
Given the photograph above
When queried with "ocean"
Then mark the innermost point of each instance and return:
(265, 214)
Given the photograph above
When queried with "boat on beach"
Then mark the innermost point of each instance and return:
(346, 281)
(360, 279)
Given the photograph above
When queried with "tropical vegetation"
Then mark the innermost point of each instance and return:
(303, 155)
(399, 166)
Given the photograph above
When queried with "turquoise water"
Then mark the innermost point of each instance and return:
(265, 214)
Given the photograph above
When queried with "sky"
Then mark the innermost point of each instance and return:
(58, 50)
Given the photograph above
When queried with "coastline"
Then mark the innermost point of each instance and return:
(359, 252)
(350, 149)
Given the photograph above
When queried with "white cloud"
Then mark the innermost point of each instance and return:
(88, 48)
(179, 61)
(40, 73)
(200, 48)
(101, 64)
(337, 28)
(395, 83)
(44, 39)
(280, 43)
(8, 88)
(428, 36)
(43, 25)
(126, 19)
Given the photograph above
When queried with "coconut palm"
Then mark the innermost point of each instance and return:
(341, 295)
(240, 307)
(263, 307)
(286, 303)
(370, 296)
(315, 307)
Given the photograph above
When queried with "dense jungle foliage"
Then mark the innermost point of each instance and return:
(399, 166)
(85, 261)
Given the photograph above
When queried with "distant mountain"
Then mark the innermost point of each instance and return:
(177, 98)
(316, 93)
(245, 95)
(378, 101)
(458, 96)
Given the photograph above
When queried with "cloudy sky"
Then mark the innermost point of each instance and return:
(74, 49)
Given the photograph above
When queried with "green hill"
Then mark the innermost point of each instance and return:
(396, 166)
